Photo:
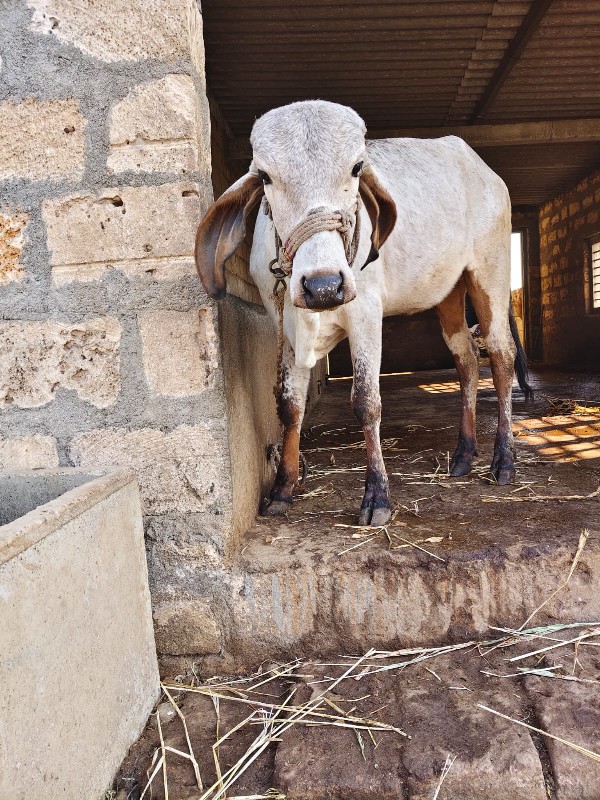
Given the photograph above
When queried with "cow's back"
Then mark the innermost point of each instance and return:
(451, 208)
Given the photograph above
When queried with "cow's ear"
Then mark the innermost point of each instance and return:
(381, 209)
(222, 230)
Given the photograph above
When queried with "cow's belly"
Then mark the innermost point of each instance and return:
(412, 290)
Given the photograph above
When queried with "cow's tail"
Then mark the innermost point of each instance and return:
(520, 358)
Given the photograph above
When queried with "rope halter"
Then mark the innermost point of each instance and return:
(316, 221)
(281, 266)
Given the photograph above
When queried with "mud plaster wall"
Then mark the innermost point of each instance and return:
(109, 348)
(570, 332)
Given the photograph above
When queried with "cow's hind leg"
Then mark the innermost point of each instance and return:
(492, 307)
(451, 313)
(365, 345)
(291, 412)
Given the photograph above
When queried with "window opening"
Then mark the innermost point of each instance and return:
(516, 261)
(595, 273)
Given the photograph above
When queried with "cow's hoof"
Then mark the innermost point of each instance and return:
(376, 517)
(275, 508)
(462, 460)
(503, 474)
(461, 466)
(503, 470)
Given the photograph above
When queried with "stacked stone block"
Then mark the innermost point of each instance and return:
(109, 349)
(571, 330)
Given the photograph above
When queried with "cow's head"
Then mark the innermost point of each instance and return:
(306, 156)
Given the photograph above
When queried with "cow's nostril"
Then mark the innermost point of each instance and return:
(323, 291)
(306, 288)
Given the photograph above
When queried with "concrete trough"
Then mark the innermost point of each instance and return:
(78, 665)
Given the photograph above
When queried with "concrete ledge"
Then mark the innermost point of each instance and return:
(299, 596)
(77, 656)
(55, 497)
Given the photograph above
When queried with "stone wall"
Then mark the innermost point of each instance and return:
(109, 349)
(571, 331)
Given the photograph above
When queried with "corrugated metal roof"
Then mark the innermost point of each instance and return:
(405, 64)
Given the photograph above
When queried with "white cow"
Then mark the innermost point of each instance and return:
(435, 222)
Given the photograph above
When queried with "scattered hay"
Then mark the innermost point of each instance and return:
(445, 770)
(540, 498)
(318, 491)
(563, 406)
(367, 533)
(386, 444)
(583, 750)
(274, 719)
(583, 537)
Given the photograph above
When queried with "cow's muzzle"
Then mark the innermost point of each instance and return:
(321, 292)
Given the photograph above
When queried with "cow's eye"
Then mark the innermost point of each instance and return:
(357, 169)
(264, 177)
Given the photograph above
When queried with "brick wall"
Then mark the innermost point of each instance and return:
(571, 334)
(109, 348)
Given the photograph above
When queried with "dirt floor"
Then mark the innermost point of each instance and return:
(390, 729)
(417, 728)
(558, 446)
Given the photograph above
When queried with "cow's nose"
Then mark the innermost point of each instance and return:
(323, 291)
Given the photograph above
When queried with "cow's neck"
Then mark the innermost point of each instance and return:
(307, 332)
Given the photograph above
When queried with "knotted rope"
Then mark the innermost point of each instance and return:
(281, 266)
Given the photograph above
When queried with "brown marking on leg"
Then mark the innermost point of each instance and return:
(290, 410)
(280, 496)
(494, 323)
(503, 462)
(451, 313)
(366, 404)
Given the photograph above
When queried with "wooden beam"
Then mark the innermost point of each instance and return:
(560, 131)
(516, 46)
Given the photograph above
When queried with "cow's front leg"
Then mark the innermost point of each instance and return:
(366, 404)
(290, 409)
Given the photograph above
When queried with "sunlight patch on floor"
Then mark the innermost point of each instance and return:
(566, 438)
(446, 387)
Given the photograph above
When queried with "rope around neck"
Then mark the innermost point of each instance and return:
(281, 266)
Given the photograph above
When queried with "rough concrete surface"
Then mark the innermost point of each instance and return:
(155, 128)
(463, 554)
(12, 229)
(180, 350)
(441, 717)
(140, 29)
(41, 139)
(186, 626)
(180, 471)
(88, 232)
(132, 257)
(103, 60)
(249, 365)
(443, 744)
(572, 711)
(28, 452)
(79, 676)
(38, 357)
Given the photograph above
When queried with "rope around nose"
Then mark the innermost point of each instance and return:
(282, 264)
(316, 222)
